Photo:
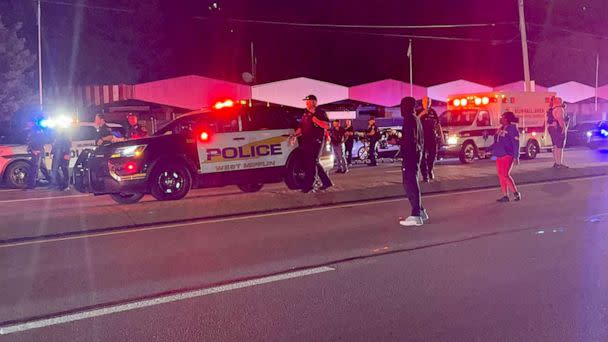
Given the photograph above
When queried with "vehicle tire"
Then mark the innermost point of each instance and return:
(252, 187)
(170, 181)
(127, 198)
(17, 174)
(532, 149)
(363, 154)
(468, 153)
(294, 176)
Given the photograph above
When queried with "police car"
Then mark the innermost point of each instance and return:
(598, 137)
(15, 159)
(230, 144)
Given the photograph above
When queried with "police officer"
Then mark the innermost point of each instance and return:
(104, 133)
(35, 146)
(135, 130)
(312, 130)
(373, 134)
(61, 159)
(349, 132)
(412, 144)
(432, 136)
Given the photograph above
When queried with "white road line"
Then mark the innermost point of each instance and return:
(41, 198)
(10, 329)
(280, 213)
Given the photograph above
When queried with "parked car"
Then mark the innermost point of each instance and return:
(386, 147)
(598, 136)
(579, 135)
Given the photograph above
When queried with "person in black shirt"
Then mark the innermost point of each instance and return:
(373, 134)
(412, 144)
(349, 142)
(61, 160)
(135, 130)
(104, 134)
(35, 146)
(337, 135)
(432, 137)
(312, 130)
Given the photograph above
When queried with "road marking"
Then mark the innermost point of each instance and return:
(9, 190)
(41, 198)
(35, 324)
(279, 213)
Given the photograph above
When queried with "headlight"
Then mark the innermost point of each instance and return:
(129, 151)
(453, 140)
(589, 134)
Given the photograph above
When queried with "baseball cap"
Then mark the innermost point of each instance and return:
(310, 97)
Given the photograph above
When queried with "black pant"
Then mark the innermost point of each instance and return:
(372, 152)
(61, 176)
(410, 166)
(38, 164)
(312, 167)
(348, 146)
(429, 156)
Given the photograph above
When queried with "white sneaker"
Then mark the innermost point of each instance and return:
(424, 215)
(412, 221)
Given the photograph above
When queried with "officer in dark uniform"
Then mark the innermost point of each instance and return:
(35, 146)
(312, 130)
(373, 134)
(412, 144)
(135, 130)
(432, 137)
(104, 133)
(61, 160)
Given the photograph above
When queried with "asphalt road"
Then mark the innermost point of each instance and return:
(479, 271)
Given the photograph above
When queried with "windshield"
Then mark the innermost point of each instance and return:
(458, 118)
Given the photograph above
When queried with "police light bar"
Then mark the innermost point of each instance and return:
(224, 104)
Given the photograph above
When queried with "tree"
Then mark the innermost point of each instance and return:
(17, 72)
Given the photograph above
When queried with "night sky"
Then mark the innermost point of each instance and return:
(85, 45)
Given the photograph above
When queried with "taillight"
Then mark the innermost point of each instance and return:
(130, 167)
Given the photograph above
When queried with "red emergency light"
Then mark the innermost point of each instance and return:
(224, 104)
(204, 136)
(130, 167)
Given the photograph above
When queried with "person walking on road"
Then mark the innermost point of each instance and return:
(432, 137)
(373, 135)
(412, 144)
(557, 126)
(506, 151)
(349, 142)
(337, 135)
(61, 160)
(313, 127)
(35, 146)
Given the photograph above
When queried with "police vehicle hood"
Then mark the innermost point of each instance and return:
(155, 139)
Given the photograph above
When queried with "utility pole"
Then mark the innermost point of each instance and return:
(524, 46)
(253, 65)
(39, 55)
(409, 54)
(597, 77)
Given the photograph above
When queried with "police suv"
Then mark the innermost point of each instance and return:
(231, 144)
(15, 159)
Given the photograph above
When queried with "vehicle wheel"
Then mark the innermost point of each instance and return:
(17, 174)
(127, 198)
(532, 149)
(170, 182)
(468, 153)
(294, 177)
(362, 153)
(253, 187)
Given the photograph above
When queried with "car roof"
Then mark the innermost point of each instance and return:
(88, 124)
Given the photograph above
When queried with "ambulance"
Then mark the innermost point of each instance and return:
(229, 144)
(471, 120)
